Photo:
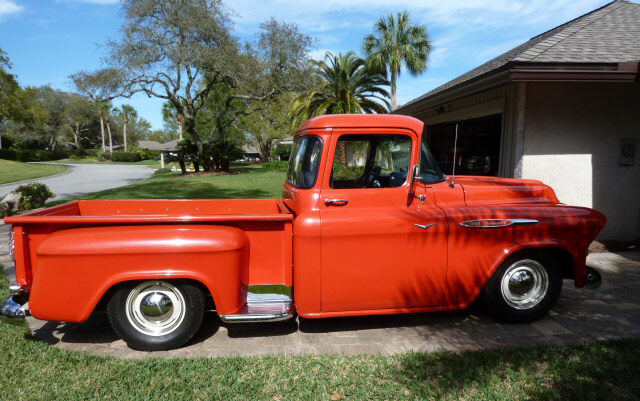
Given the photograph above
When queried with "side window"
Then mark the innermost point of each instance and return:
(371, 161)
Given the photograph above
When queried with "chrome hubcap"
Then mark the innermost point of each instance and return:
(155, 308)
(524, 284)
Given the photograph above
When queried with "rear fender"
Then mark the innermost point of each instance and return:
(77, 267)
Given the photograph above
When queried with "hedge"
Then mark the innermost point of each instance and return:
(32, 155)
(120, 156)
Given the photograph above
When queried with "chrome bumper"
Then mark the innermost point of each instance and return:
(13, 308)
(593, 280)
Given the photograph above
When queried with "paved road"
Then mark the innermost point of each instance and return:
(86, 178)
(613, 311)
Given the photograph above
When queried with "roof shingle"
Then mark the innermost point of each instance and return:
(606, 35)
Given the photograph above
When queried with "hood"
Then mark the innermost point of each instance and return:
(494, 191)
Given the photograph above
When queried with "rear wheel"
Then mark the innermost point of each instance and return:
(156, 315)
(524, 288)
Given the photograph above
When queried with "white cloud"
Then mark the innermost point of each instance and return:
(327, 13)
(107, 2)
(9, 7)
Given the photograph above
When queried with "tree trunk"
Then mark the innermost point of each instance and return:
(110, 141)
(225, 164)
(196, 166)
(394, 81)
(180, 124)
(76, 133)
(124, 132)
(182, 166)
(102, 129)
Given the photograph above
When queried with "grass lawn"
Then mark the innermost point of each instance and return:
(33, 370)
(251, 182)
(11, 171)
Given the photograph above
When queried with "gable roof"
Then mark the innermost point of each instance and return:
(155, 145)
(606, 35)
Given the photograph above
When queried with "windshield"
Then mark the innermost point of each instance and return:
(429, 170)
(304, 162)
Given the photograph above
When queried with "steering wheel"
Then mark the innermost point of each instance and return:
(370, 179)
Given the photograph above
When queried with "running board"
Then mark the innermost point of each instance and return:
(263, 308)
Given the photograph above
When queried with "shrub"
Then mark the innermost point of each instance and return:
(279, 165)
(146, 154)
(34, 195)
(8, 154)
(120, 156)
(25, 197)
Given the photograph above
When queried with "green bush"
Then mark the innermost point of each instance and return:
(34, 195)
(146, 154)
(8, 154)
(129, 157)
(279, 165)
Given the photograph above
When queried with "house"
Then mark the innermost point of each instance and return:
(564, 108)
(170, 146)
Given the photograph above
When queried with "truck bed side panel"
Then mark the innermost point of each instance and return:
(76, 267)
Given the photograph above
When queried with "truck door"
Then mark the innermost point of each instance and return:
(381, 248)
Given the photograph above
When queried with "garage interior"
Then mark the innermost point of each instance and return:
(478, 149)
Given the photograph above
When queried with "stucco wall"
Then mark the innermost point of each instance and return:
(572, 142)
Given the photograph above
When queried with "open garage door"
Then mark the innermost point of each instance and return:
(478, 151)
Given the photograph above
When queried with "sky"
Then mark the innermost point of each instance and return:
(47, 40)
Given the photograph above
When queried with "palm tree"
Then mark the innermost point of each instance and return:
(397, 42)
(125, 112)
(346, 85)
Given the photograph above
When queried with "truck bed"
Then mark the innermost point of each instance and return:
(266, 222)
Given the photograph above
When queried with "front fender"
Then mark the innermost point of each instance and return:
(76, 267)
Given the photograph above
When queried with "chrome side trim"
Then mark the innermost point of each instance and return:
(524, 222)
(497, 223)
(425, 226)
(256, 317)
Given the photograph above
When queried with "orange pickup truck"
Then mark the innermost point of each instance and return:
(367, 224)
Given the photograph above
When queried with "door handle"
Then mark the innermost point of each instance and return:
(335, 202)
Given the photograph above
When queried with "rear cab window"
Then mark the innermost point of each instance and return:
(304, 161)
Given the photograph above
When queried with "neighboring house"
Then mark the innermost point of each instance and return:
(170, 146)
(563, 108)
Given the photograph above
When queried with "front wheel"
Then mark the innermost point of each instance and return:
(156, 315)
(523, 289)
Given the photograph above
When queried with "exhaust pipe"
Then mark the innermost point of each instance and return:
(593, 280)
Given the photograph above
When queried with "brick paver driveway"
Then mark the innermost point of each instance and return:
(613, 311)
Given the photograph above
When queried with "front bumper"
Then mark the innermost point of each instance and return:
(13, 307)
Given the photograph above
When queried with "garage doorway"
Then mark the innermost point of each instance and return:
(478, 150)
